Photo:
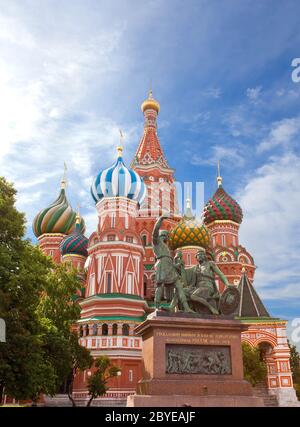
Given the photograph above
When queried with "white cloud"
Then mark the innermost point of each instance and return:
(270, 229)
(282, 134)
(240, 123)
(213, 92)
(46, 99)
(254, 94)
(232, 156)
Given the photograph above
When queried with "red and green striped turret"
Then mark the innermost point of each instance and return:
(222, 207)
(59, 217)
(76, 243)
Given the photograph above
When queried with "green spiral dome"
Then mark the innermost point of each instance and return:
(59, 217)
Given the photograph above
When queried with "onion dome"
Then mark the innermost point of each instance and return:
(150, 104)
(222, 207)
(189, 232)
(75, 243)
(59, 217)
(118, 181)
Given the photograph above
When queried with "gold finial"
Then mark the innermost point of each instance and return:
(188, 203)
(78, 217)
(243, 269)
(188, 208)
(78, 211)
(150, 103)
(150, 96)
(219, 178)
(64, 178)
(120, 147)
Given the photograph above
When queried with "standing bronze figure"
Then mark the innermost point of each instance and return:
(166, 273)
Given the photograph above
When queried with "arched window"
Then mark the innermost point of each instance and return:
(81, 331)
(115, 329)
(95, 329)
(125, 329)
(144, 240)
(104, 329)
(145, 285)
(87, 330)
(223, 240)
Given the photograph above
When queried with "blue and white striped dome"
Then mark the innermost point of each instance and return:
(118, 181)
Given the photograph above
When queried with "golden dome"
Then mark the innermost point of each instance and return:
(150, 104)
(189, 232)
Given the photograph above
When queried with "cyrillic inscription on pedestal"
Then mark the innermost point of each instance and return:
(198, 359)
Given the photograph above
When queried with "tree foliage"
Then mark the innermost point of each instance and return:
(98, 382)
(40, 351)
(295, 367)
(23, 269)
(255, 369)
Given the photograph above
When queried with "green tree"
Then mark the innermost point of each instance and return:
(295, 367)
(255, 369)
(97, 383)
(23, 272)
(37, 303)
(58, 312)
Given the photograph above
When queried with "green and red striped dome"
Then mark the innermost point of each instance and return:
(76, 243)
(222, 207)
(59, 217)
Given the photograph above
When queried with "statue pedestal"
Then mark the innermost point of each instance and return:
(191, 361)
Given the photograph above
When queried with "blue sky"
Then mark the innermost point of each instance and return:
(73, 72)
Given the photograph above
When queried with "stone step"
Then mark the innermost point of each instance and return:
(260, 390)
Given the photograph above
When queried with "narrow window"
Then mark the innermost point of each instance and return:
(144, 240)
(108, 283)
(129, 283)
(95, 329)
(125, 329)
(104, 329)
(113, 220)
(92, 284)
(223, 240)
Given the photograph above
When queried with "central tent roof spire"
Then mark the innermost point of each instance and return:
(149, 150)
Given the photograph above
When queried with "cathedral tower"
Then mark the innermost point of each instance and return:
(223, 215)
(114, 296)
(151, 164)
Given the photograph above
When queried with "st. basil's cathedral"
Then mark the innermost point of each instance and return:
(116, 263)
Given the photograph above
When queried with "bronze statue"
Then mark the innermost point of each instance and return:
(189, 289)
(180, 267)
(200, 287)
(165, 270)
(202, 281)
